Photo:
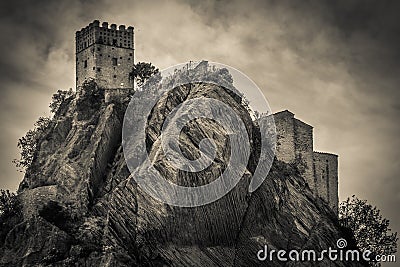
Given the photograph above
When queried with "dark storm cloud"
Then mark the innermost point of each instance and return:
(37, 44)
(40, 25)
(377, 19)
(335, 64)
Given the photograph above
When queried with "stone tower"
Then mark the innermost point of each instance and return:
(105, 54)
(295, 145)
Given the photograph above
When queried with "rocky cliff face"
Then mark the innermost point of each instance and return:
(80, 208)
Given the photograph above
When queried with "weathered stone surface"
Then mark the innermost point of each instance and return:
(34, 241)
(102, 218)
(76, 160)
(283, 214)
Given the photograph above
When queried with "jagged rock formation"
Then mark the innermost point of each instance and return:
(80, 209)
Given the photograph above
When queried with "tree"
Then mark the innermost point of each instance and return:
(28, 143)
(370, 229)
(142, 71)
(59, 98)
(8, 203)
(10, 213)
(90, 96)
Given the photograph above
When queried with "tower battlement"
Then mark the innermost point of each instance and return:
(96, 34)
(105, 53)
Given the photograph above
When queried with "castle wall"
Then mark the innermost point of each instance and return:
(117, 95)
(326, 175)
(321, 175)
(85, 61)
(285, 136)
(113, 66)
(96, 34)
(105, 54)
(303, 146)
(295, 145)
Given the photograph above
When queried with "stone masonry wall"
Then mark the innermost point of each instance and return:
(117, 94)
(303, 146)
(105, 54)
(285, 136)
(295, 145)
(113, 66)
(85, 61)
(326, 176)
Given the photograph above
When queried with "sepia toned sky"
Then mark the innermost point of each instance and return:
(335, 64)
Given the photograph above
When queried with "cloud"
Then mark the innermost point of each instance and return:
(334, 64)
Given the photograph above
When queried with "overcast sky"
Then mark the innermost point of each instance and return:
(336, 65)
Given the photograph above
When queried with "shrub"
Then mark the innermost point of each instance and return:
(8, 203)
(28, 143)
(142, 71)
(91, 96)
(370, 229)
(59, 98)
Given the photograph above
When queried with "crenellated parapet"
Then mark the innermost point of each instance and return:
(95, 34)
(105, 53)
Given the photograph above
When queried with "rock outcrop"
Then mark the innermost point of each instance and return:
(82, 207)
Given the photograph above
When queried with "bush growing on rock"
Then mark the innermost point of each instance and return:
(90, 96)
(59, 98)
(142, 71)
(8, 203)
(28, 143)
(10, 212)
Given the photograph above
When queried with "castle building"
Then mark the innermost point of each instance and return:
(105, 54)
(295, 145)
